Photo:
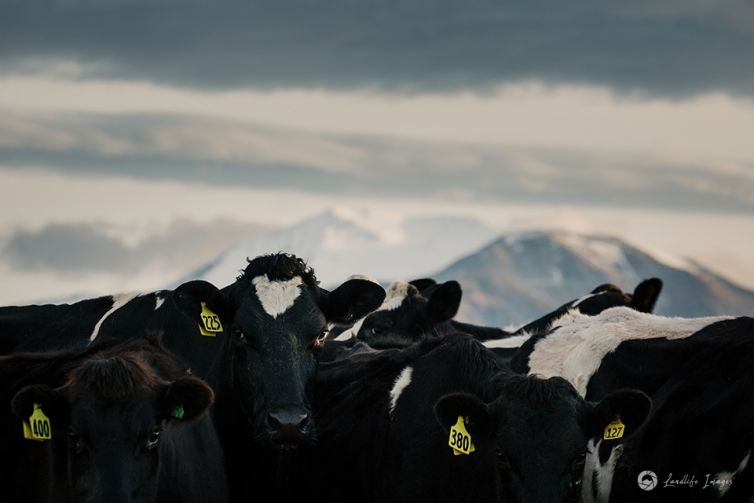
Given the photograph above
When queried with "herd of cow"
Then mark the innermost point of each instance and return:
(274, 388)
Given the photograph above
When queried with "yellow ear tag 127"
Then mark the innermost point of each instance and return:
(614, 430)
(210, 325)
(459, 439)
(38, 427)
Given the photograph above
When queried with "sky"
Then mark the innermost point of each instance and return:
(140, 138)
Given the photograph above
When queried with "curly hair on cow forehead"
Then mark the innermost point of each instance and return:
(279, 267)
(535, 388)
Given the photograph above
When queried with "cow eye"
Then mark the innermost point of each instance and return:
(154, 439)
(320, 340)
(502, 460)
(377, 331)
(239, 333)
(74, 442)
(577, 465)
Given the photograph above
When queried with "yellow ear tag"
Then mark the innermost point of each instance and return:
(210, 325)
(459, 439)
(38, 427)
(614, 430)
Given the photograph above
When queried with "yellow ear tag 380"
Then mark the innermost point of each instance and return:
(614, 430)
(460, 440)
(38, 427)
(210, 325)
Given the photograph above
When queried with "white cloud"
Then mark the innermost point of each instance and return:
(713, 128)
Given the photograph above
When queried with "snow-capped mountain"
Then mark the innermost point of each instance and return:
(338, 243)
(519, 277)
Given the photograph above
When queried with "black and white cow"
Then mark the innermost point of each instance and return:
(385, 417)
(273, 319)
(697, 442)
(697, 371)
(118, 424)
(422, 307)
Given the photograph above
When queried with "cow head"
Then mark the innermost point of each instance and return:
(532, 438)
(280, 318)
(643, 299)
(409, 313)
(115, 413)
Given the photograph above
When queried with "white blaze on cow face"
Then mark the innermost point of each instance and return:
(158, 301)
(726, 479)
(276, 297)
(603, 474)
(119, 301)
(400, 384)
(395, 296)
(576, 349)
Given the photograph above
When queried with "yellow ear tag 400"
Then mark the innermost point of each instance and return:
(38, 427)
(614, 430)
(210, 325)
(460, 440)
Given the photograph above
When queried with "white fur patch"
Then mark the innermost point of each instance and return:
(400, 384)
(727, 478)
(394, 296)
(576, 349)
(276, 297)
(119, 301)
(351, 332)
(158, 302)
(507, 342)
(604, 473)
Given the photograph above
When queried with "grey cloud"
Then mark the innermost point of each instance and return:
(670, 48)
(374, 167)
(70, 249)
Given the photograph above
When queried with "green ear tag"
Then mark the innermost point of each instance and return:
(210, 325)
(178, 412)
(460, 440)
(614, 430)
(38, 427)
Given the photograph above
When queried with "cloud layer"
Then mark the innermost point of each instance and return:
(670, 48)
(228, 154)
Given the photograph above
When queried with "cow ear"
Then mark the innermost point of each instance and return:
(422, 284)
(478, 417)
(352, 300)
(646, 294)
(444, 301)
(631, 407)
(185, 399)
(189, 296)
(52, 402)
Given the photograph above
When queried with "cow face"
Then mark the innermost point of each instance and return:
(533, 437)
(280, 322)
(115, 419)
(407, 314)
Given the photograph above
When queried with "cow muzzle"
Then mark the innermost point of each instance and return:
(290, 427)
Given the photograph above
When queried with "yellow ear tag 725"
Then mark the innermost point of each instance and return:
(614, 430)
(210, 325)
(38, 427)
(460, 440)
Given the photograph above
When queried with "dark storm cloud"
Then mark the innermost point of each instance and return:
(669, 48)
(218, 153)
